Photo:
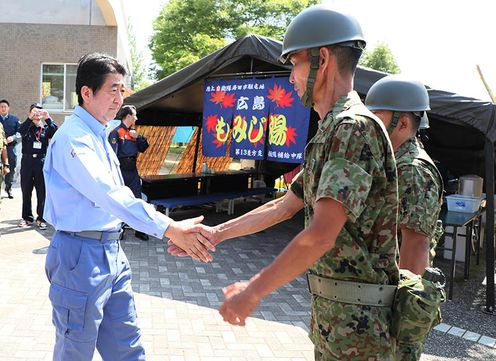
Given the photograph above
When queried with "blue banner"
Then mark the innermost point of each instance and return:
(249, 109)
(288, 122)
(250, 119)
(219, 99)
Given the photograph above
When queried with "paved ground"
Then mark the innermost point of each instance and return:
(177, 301)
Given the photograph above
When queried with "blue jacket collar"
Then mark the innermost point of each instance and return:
(95, 126)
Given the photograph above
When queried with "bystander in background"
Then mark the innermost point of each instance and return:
(127, 143)
(10, 125)
(36, 132)
(4, 167)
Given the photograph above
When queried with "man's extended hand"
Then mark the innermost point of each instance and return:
(239, 303)
(206, 231)
(189, 237)
(5, 170)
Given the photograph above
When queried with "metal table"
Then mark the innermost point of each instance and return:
(460, 219)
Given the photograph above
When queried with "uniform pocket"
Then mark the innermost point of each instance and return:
(52, 260)
(71, 252)
(69, 308)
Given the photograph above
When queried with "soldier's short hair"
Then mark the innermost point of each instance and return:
(347, 57)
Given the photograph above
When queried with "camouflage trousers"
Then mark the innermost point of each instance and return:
(409, 351)
(342, 331)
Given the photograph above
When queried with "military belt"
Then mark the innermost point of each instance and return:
(97, 235)
(352, 292)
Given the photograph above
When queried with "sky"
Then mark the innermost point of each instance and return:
(438, 42)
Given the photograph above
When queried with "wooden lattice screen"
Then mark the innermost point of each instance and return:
(215, 164)
(159, 138)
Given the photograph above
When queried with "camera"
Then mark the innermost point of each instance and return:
(38, 113)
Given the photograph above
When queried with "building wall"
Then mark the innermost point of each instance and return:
(28, 46)
(68, 12)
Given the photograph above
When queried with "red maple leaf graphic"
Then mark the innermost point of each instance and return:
(228, 101)
(217, 97)
(291, 136)
(285, 100)
(261, 141)
(211, 123)
(217, 143)
(279, 95)
(276, 93)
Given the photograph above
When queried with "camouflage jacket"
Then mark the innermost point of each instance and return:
(350, 159)
(420, 188)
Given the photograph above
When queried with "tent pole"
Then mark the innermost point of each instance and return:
(251, 74)
(489, 156)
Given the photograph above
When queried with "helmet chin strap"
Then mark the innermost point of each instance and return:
(394, 122)
(307, 98)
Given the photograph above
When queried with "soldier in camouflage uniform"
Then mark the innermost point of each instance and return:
(348, 189)
(4, 168)
(402, 104)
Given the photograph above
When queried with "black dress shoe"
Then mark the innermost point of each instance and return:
(141, 235)
(9, 194)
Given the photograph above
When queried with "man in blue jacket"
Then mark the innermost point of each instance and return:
(86, 202)
(11, 127)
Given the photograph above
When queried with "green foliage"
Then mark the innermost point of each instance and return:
(186, 31)
(138, 79)
(380, 58)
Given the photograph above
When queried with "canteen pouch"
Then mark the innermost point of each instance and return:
(416, 308)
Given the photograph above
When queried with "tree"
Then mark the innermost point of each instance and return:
(380, 58)
(138, 79)
(186, 31)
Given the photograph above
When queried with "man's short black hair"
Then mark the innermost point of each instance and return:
(125, 111)
(5, 101)
(92, 71)
(415, 121)
(35, 105)
(347, 57)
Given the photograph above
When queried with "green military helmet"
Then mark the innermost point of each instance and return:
(399, 94)
(319, 26)
(313, 28)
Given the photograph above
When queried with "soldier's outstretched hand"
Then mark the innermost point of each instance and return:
(239, 303)
(187, 235)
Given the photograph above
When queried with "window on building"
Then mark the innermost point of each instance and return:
(58, 87)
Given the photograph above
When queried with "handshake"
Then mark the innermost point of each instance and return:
(191, 238)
